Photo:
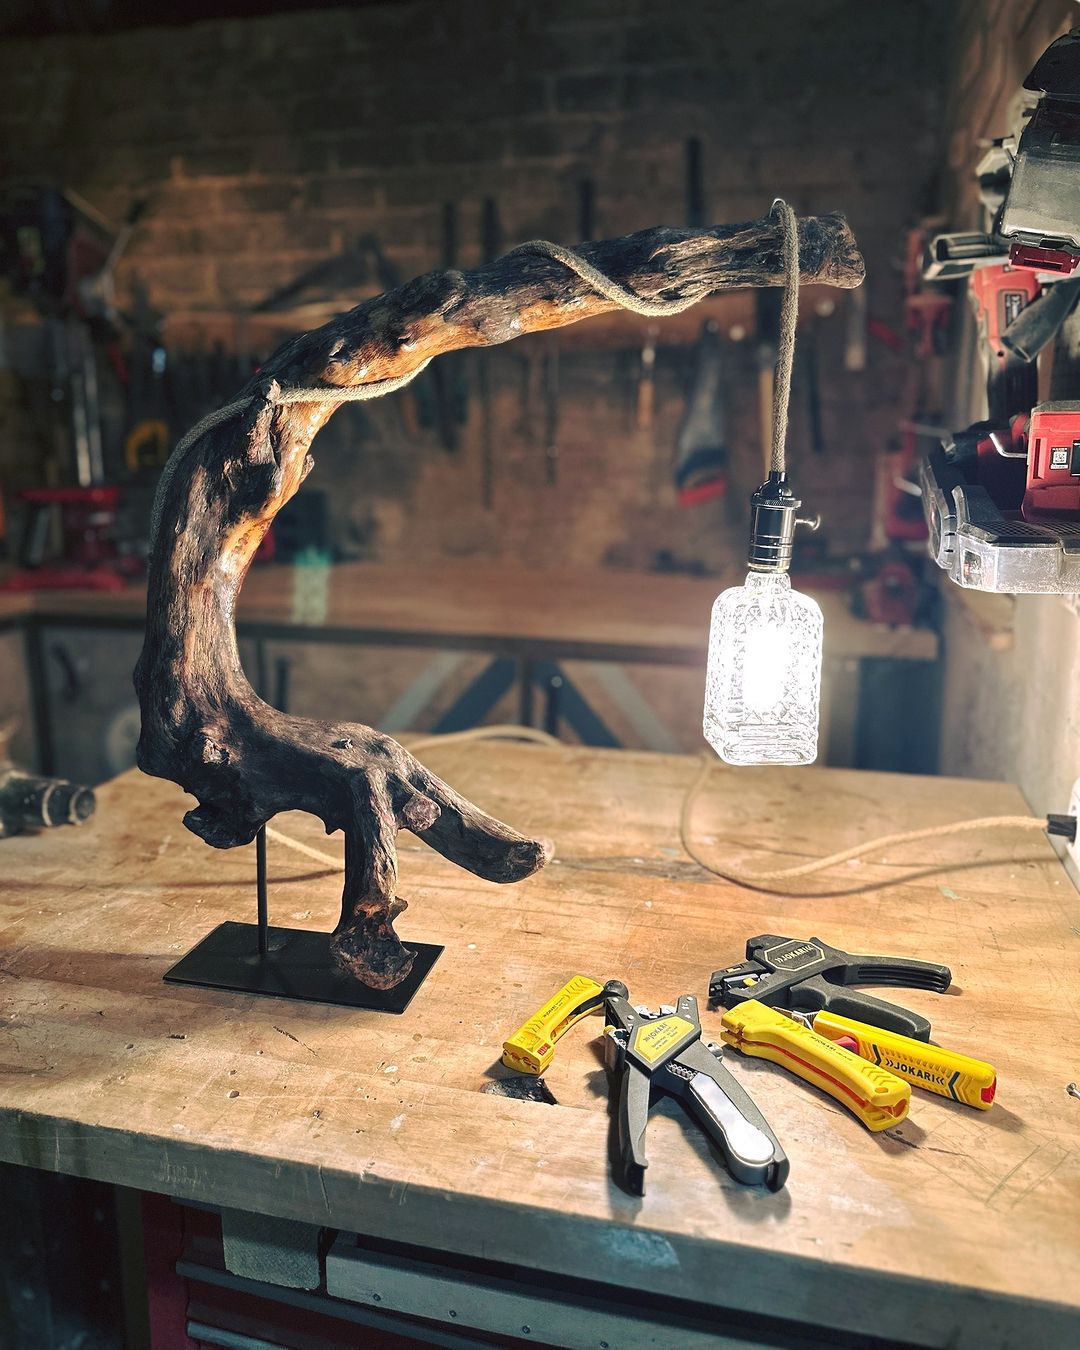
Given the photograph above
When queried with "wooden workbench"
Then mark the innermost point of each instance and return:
(955, 1229)
(630, 645)
(601, 613)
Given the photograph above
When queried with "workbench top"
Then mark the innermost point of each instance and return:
(956, 1228)
(599, 613)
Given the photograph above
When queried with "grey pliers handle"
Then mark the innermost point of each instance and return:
(729, 1117)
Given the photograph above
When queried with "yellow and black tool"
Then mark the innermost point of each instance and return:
(875, 1096)
(531, 1047)
(651, 1054)
(944, 1072)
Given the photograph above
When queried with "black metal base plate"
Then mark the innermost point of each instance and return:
(298, 965)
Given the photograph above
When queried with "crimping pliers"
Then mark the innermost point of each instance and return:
(651, 1053)
(810, 976)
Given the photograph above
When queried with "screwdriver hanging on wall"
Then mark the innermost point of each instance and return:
(448, 378)
(489, 249)
(550, 375)
(549, 371)
(695, 184)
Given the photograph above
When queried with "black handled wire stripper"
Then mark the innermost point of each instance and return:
(650, 1053)
(810, 976)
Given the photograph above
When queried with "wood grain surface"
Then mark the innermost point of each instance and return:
(956, 1229)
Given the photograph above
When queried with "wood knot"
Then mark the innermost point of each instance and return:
(269, 389)
(211, 751)
(345, 743)
(419, 813)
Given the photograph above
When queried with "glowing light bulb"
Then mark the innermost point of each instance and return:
(764, 677)
(763, 684)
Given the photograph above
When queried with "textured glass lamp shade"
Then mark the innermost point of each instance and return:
(763, 684)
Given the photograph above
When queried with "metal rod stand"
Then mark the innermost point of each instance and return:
(260, 891)
(303, 966)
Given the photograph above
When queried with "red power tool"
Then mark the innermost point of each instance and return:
(1053, 462)
(998, 294)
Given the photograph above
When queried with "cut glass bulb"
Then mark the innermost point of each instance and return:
(763, 683)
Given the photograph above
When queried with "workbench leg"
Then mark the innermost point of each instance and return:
(166, 1292)
(471, 707)
(38, 680)
(526, 677)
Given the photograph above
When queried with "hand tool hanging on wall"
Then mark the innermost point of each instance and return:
(489, 251)
(646, 390)
(810, 976)
(446, 379)
(701, 455)
(695, 183)
(807, 373)
(550, 377)
(148, 437)
(767, 322)
(855, 330)
(897, 518)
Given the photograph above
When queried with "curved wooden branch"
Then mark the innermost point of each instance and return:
(203, 726)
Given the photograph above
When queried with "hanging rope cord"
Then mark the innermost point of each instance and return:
(789, 317)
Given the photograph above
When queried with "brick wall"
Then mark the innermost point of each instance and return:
(264, 145)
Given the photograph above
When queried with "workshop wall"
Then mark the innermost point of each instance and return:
(1011, 703)
(263, 146)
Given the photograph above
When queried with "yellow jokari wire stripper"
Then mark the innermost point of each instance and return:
(531, 1047)
(874, 1095)
(926, 1066)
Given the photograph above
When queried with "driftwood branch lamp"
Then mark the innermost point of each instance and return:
(203, 726)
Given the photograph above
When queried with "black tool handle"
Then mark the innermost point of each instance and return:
(732, 1121)
(1038, 323)
(631, 1120)
(896, 972)
(817, 993)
